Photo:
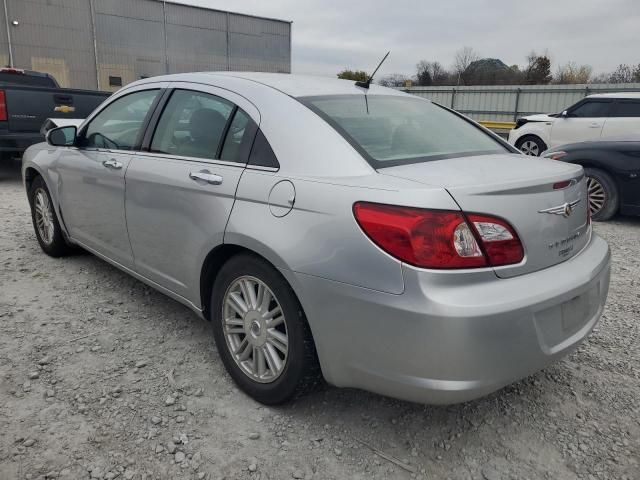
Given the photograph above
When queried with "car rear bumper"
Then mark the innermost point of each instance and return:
(453, 337)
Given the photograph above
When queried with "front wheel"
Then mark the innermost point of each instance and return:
(45, 221)
(261, 331)
(603, 194)
(531, 145)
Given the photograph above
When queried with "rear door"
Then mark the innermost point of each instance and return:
(181, 188)
(583, 122)
(624, 121)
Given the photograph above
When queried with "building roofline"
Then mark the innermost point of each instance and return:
(177, 2)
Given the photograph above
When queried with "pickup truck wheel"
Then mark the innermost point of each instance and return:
(45, 220)
(261, 331)
(603, 194)
(531, 145)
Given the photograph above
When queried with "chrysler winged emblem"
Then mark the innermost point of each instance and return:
(566, 209)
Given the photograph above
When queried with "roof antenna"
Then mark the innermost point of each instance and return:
(367, 84)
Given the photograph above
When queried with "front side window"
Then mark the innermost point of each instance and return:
(627, 108)
(392, 130)
(192, 125)
(119, 125)
(590, 109)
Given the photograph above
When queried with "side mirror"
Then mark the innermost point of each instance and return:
(564, 114)
(62, 136)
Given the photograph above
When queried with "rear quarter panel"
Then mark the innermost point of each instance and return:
(320, 235)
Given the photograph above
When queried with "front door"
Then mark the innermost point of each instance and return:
(180, 192)
(92, 175)
(583, 122)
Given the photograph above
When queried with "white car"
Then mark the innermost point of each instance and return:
(604, 115)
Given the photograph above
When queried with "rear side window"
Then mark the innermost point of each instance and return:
(262, 154)
(192, 124)
(591, 108)
(237, 143)
(391, 130)
(626, 108)
(119, 125)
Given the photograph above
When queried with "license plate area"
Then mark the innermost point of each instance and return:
(557, 324)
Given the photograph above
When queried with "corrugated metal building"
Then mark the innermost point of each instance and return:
(105, 44)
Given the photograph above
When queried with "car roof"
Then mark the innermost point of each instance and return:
(617, 95)
(294, 85)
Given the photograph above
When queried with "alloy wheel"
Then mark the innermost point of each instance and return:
(597, 195)
(529, 147)
(255, 329)
(44, 216)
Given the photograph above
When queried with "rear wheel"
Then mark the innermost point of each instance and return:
(603, 194)
(531, 145)
(45, 220)
(261, 331)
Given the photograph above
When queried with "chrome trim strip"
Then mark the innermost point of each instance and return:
(261, 168)
(190, 159)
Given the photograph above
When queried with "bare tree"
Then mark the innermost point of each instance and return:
(464, 57)
(572, 73)
(623, 74)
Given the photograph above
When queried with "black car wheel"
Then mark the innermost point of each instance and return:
(261, 331)
(603, 194)
(45, 220)
(531, 145)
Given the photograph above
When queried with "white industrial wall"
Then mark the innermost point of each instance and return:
(506, 103)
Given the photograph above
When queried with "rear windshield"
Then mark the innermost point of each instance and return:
(391, 130)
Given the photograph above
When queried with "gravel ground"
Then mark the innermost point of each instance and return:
(103, 377)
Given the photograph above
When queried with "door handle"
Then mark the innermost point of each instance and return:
(594, 125)
(210, 178)
(112, 163)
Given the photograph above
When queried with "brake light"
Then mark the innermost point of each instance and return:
(439, 239)
(3, 107)
(499, 239)
(559, 155)
(563, 184)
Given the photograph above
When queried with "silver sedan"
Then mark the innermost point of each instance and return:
(326, 229)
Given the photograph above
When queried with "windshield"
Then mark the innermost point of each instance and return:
(391, 130)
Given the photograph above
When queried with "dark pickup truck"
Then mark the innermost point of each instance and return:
(28, 98)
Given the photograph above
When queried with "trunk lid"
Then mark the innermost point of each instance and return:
(520, 190)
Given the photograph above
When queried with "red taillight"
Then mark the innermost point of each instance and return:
(3, 107)
(439, 238)
(499, 239)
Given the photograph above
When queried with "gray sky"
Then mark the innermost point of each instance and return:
(329, 35)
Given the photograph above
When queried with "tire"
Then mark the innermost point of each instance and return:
(49, 234)
(245, 330)
(531, 145)
(604, 198)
